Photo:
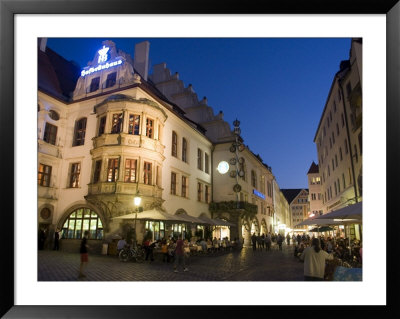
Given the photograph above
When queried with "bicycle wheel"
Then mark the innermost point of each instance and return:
(124, 255)
(139, 257)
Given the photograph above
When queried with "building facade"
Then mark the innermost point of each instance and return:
(299, 207)
(314, 186)
(339, 137)
(111, 132)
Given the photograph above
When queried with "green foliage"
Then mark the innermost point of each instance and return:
(248, 210)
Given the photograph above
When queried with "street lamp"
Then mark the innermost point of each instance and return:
(136, 200)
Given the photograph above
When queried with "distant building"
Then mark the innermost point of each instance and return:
(299, 206)
(314, 186)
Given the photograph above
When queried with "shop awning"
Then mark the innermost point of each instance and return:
(192, 219)
(215, 221)
(351, 212)
(326, 222)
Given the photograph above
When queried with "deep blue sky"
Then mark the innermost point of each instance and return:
(276, 87)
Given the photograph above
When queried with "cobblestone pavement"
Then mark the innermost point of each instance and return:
(244, 265)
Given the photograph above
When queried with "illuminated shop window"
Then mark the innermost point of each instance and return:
(79, 221)
(157, 228)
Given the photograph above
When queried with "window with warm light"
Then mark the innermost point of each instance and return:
(74, 175)
(134, 124)
(79, 221)
(44, 175)
(130, 170)
(147, 178)
(149, 128)
(112, 170)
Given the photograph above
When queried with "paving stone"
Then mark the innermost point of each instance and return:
(246, 265)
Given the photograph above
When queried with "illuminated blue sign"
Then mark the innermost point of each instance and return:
(257, 193)
(103, 57)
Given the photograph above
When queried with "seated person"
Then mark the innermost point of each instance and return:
(121, 244)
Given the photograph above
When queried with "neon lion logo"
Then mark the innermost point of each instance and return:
(103, 54)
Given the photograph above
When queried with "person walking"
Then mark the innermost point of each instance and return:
(56, 239)
(298, 239)
(268, 242)
(314, 261)
(179, 255)
(279, 241)
(84, 254)
(288, 239)
(254, 241)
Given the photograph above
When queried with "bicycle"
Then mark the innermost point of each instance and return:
(128, 253)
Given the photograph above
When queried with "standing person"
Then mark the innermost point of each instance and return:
(268, 242)
(56, 239)
(42, 238)
(279, 241)
(149, 246)
(288, 239)
(314, 261)
(179, 254)
(262, 241)
(164, 250)
(298, 239)
(84, 253)
(254, 241)
(259, 241)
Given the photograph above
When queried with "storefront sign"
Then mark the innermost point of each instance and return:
(103, 57)
(257, 193)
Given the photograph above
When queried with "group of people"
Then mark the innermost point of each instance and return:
(259, 242)
(316, 251)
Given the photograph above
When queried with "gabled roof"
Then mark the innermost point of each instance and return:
(56, 75)
(313, 169)
(291, 193)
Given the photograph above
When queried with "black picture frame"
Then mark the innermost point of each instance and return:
(8, 10)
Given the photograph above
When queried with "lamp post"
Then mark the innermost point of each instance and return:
(136, 200)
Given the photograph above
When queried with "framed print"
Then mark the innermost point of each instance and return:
(24, 25)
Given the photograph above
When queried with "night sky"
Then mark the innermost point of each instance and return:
(276, 87)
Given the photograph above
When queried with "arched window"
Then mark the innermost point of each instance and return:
(79, 134)
(174, 144)
(79, 221)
